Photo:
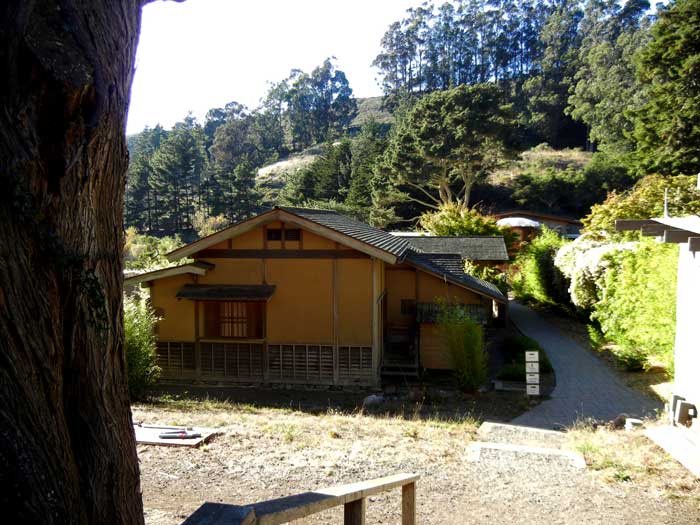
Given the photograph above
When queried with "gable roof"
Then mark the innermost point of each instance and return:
(353, 228)
(194, 268)
(326, 223)
(472, 247)
(451, 266)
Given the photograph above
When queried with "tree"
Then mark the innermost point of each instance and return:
(645, 200)
(547, 91)
(605, 86)
(67, 450)
(666, 127)
(139, 197)
(446, 142)
(178, 167)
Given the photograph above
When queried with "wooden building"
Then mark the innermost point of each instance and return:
(306, 296)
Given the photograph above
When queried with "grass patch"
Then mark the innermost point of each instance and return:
(617, 456)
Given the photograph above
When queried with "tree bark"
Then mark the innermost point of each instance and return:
(67, 451)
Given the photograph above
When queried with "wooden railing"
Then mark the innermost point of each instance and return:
(283, 510)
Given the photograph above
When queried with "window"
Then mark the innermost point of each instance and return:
(233, 319)
(292, 235)
(275, 234)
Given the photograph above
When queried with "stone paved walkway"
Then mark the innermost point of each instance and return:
(585, 386)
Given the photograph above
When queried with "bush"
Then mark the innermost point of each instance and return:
(145, 252)
(488, 274)
(453, 220)
(514, 348)
(464, 340)
(536, 277)
(140, 344)
(637, 309)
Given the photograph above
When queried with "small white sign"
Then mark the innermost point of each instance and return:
(533, 390)
(532, 368)
(532, 356)
(532, 378)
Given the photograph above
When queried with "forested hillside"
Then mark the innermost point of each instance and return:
(541, 104)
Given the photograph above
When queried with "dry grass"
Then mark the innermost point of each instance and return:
(619, 456)
(540, 158)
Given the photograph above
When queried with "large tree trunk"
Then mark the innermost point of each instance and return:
(67, 451)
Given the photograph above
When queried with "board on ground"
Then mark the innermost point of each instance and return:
(148, 435)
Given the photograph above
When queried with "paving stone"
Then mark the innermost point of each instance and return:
(585, 385)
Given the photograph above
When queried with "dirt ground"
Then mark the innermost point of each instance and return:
(265, 452)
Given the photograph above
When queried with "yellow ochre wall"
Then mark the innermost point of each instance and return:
(177, 322)
(401, 284)
(301, 308)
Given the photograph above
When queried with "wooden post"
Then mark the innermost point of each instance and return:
(197, 345)
(355, 512)
(376, 321)
(408, 504)
(334, 286)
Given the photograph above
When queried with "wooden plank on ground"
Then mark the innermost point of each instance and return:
(148, 435)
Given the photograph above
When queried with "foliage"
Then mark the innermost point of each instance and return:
(584, 262)
(451, 220)
(357, 212)
(666, 127)
(606, 87)
(445, 143)
(637, 308)
(547, 89)
(177, 172)
(464, 340)
(489, 274)
(514, 348)
(569, 190)
(536, 277)
(145, 252)
(206, 225)
(140, 344)
(644, 201)
(628, 289)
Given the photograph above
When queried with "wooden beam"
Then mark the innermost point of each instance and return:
(376, 317)
(281, 254)
(408, 504)
(677, 236)
(694, 244)
(197, 344)
(334, 288)
(654, 230)
(354, 512)
(626, 225)
(299, 506)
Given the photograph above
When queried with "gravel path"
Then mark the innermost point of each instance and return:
(268, 454)
(586, 387)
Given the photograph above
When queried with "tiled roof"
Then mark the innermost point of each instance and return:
(474, 248)
(353, 228)
(451, 266)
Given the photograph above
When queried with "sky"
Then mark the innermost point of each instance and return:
(201, 54)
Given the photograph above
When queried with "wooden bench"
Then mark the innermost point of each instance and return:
(284, 510)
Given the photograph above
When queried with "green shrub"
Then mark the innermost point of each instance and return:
(536, 277)
(637, 309)
(488, 274)
(513, 372)
(464, 340)
(514, 348)
(140, 344)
